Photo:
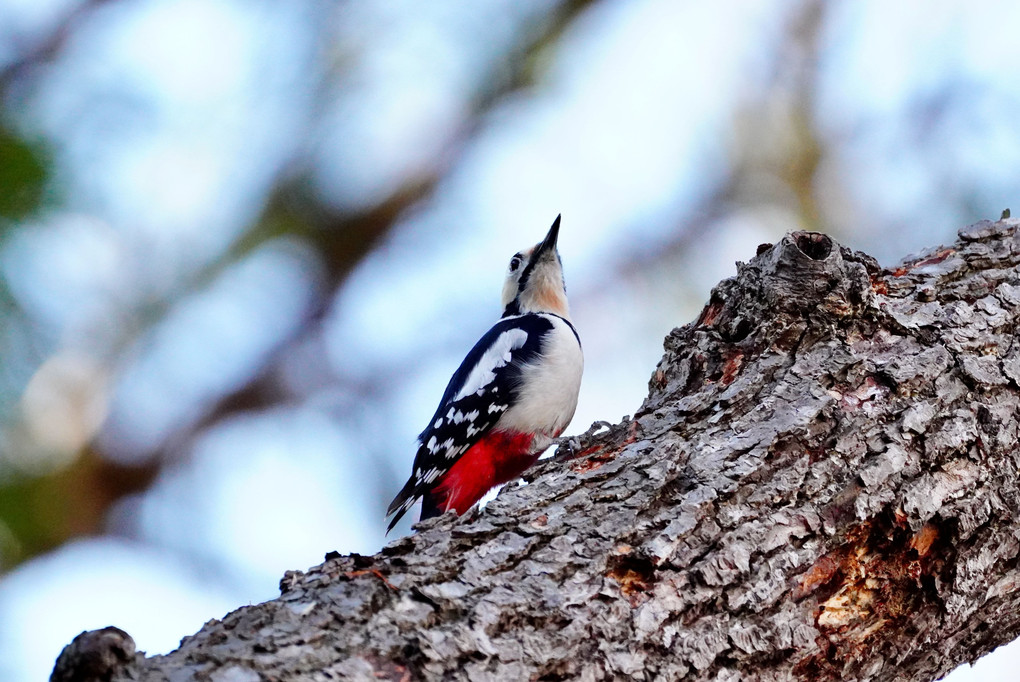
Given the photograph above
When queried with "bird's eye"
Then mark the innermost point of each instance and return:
(515, 263)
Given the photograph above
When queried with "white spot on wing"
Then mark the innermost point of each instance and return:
(497, 355)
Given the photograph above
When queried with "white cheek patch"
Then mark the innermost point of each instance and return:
(497, 355)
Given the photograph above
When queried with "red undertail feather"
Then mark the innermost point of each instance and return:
(500, 456)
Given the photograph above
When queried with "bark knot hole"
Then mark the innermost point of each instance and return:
(633, 574)
(814, 245)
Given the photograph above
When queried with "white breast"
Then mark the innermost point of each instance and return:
(548, 395)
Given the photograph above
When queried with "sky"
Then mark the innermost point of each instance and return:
(174, 119)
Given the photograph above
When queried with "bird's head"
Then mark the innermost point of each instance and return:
(534, 280)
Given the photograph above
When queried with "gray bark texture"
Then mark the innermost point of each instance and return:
(821, 485)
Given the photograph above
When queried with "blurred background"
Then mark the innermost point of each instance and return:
(244, 243)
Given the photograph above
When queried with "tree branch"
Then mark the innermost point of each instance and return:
(821, 485)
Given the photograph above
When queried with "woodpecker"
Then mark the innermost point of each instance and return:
(510, 398)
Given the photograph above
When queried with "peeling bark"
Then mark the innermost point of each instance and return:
(821, 485)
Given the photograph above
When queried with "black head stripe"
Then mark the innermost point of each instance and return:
(526, 273)
(539, 252)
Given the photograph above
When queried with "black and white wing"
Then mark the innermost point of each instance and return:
(480, 391)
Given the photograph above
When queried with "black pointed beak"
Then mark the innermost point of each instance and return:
(549, 243)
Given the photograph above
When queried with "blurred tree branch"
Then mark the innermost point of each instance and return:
(50, 45)
(821, 485)
(340, 240)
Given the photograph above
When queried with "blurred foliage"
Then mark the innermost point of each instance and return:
(42, 509)
(24, 171)
(28, 504)
(41, 512)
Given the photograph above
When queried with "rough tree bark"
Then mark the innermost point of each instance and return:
(821, 485)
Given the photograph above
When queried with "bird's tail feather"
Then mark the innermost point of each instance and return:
(430, 506)
(400, 504)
